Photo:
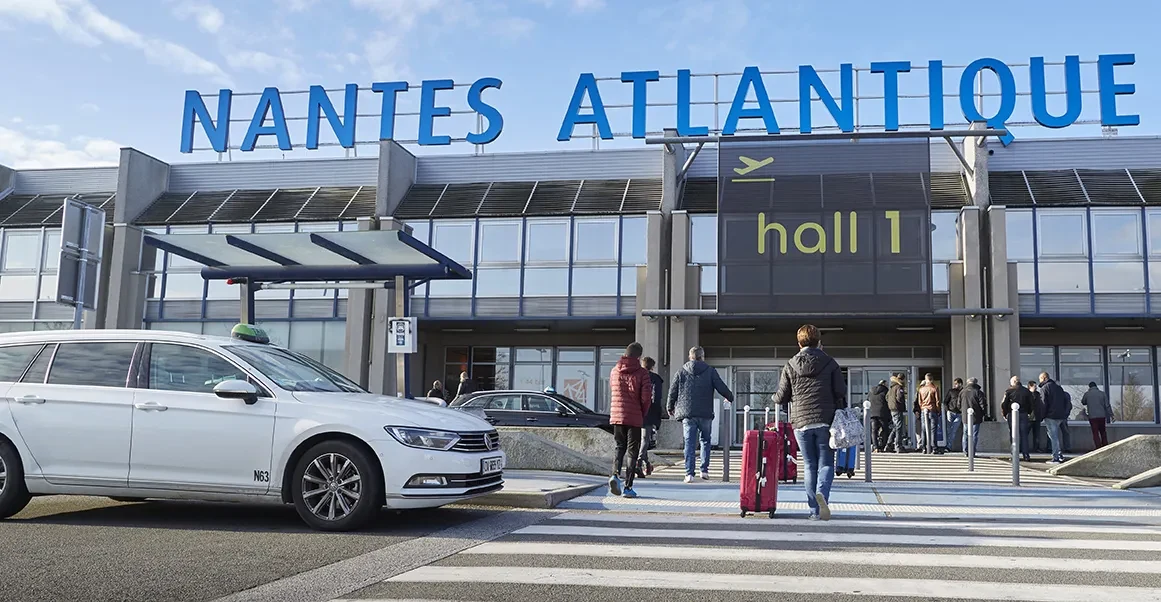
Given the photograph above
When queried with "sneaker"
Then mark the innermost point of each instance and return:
(614, 485)
(704, 475)
(648, 469)
(823, 507)
(629, 493)
(688, 478)
(814, 517)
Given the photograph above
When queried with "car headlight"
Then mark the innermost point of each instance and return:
(423, 438)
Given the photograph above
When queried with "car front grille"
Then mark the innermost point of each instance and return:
(477, 442)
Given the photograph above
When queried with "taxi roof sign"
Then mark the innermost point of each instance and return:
(250, 333)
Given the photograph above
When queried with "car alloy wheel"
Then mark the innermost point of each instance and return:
(3, 475)
(332, 486)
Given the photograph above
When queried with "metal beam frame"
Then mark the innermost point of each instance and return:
(984, 133)
(938, 313)
(689, 160)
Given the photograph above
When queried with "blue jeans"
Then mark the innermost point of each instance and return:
(694, 429)
(819, 460)
(1025, 444)
(954, 421)
(1053, 426)
(974, 429)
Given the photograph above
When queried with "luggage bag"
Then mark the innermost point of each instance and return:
(789, 472)
(763, 454)
(845, 460)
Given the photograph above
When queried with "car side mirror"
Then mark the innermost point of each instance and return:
(561, 412)
(237, 389)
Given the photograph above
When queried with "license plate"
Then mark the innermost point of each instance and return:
(492, 465)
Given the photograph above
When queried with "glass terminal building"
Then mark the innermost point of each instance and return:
(569, 248)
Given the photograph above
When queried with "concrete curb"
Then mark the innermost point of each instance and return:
(1149, 478)
(542, 500)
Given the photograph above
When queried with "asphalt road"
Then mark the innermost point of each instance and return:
(74, 548)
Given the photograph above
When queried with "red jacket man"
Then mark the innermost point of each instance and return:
(632, 393)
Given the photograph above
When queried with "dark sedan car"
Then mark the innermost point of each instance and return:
(531, 408)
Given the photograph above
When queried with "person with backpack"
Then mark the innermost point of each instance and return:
(951, 404)
(1057, 407)
(811, 385)
(973, 398)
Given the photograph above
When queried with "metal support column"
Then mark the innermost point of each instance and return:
(1015, 444)
(867, 443)
(400, 310)
(971, 439)
(246, 289)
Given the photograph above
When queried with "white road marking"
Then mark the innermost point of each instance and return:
(930, 589)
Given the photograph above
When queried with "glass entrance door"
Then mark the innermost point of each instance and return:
(860, 381)
(754, 387)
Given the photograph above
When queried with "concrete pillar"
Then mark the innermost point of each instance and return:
(975, 152)
(359, 305)
(140, 180)
(1014, 320)
(396, 175)
(384, 369)
(651, 292)
(684, 286)
(973, 297)
(958, 323)
(1001, 333)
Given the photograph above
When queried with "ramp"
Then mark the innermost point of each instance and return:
(1121, 460)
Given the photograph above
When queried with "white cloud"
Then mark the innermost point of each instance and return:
(17, 120)
(80, 22)
(51, 129)
(20, 151)
(266, 63)
(207, 16)
(89, 107)
(515, 27)
(297, 6)
(577, 6)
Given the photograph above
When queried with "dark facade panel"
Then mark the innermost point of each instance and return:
(700, 195)
(1056, 187)
(1109, 186)
(642, 195)
(553, 198)
(361, 205)
(419, 201)
(600, 196)
(1009, 188)
(1148, 181)
(242, 206)
(460, 200)
(199, 208)
(506, 199)
(38, 210)
(158, 213)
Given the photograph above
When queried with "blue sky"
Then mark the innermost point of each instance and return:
(86, 77)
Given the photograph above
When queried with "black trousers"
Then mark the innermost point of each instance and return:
(878, 433)
(628, 442)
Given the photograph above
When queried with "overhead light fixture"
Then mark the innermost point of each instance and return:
(540, 329)
(1124, 328)
(737, 329)
(1037, 328)
(830, 329)
(457, 330)
(914, 328)
(610, 329)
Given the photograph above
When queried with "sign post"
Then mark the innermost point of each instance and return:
(82, 235)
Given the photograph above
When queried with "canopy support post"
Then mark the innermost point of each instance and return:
(246, 289)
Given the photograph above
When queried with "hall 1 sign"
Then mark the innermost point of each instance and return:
(812, 228)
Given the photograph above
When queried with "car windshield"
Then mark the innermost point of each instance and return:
(570, 404)
(294, 372)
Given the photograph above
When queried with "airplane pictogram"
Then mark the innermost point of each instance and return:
(751, 165)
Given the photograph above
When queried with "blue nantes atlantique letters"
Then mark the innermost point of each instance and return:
(841, 109)
(320, 106)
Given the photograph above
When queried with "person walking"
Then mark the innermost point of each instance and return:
(897, 405)
(437, 391)
(691, 401)
(466, 385)
(1037, 419)
(811, 386)
(928, 399)
(1057, 407)
(973, 398)
(1100, 414)
(631, 394)
(652, 419)
(951, 404)
(1016, 393)
(880, 416)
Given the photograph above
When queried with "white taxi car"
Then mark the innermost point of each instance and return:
(136, 414)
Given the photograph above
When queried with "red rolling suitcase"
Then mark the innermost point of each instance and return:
(789, 472)
(763, 454)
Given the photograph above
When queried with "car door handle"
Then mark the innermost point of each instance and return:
(30, 399)
(150, 406)
(532, 419)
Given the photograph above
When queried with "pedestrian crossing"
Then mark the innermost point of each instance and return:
(597, 556)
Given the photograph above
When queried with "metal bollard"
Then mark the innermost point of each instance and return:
(727, 437)
(767, 418)
(867, 441)
(745, 418)
(1015, 444)
(971, 440)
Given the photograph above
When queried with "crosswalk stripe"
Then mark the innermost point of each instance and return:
(815, 537)
(938, 589)
(946, 525)
(839, 557)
